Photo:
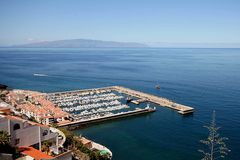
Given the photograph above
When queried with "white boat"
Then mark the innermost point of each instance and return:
(40, 75)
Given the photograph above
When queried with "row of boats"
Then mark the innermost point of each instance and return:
(87, 105)
(75, 95)
(73, 98)
(102, 110)
(92, 116)
(91, 106)
(89, 101)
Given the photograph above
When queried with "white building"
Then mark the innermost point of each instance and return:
(26, 133)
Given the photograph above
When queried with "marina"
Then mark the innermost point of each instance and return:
(101, 104)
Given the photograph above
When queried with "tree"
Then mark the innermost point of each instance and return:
(54, 125)
(46, 146)
(216, 147)
(69, 138)
(33, 119)
(5, 146)
(4, 138)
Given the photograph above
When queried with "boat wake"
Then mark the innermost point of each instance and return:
(40, 75)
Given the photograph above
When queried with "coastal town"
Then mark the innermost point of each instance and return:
(38, 123)
(30, 123)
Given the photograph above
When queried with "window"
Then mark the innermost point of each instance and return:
(16, 126)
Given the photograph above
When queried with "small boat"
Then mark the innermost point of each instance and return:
(157, 86)
(129, 99)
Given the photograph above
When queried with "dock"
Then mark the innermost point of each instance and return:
(144, 97)
(138, 101)
(109, 117)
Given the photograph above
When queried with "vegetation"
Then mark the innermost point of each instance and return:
(3, 94)
(72, 142)
(54, 125)
(33, 119)
(5, 146)
(215, 145)
(69, 137)
(4, 138)
(46, 146)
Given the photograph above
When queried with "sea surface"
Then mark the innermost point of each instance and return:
(206, 79)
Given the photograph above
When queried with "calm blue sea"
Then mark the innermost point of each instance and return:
(206, 79)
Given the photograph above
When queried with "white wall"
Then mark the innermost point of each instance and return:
(28, 134)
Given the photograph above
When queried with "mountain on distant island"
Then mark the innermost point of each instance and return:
(82, 43)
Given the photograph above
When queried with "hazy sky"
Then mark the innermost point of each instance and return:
(24, 21)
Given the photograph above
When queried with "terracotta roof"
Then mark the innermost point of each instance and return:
(14, 118)
(34, 153)
(23, 120)
(43, 107)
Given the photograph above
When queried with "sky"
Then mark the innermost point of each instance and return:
(172, 21)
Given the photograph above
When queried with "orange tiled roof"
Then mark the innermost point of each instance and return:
(14, 118)
(23, 120)
(45, 109)
(32, 152)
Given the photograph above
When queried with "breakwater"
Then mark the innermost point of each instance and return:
(76, 124)
(143, 97)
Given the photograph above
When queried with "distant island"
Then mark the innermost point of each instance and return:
(90, 43)
(82, 43)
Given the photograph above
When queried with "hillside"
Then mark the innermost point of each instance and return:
(82, 43)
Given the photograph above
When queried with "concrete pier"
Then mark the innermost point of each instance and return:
(182, 109)
(139, 101)
(105, 118)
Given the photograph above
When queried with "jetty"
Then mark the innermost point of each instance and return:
(144, 97)
(139, 101)
(137, 111)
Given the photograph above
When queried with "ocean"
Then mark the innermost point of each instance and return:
(206, 79)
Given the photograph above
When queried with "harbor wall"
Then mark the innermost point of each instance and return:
(101, 119)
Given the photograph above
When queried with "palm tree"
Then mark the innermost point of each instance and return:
(216, 147)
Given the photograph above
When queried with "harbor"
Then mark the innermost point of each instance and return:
(95, 105)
